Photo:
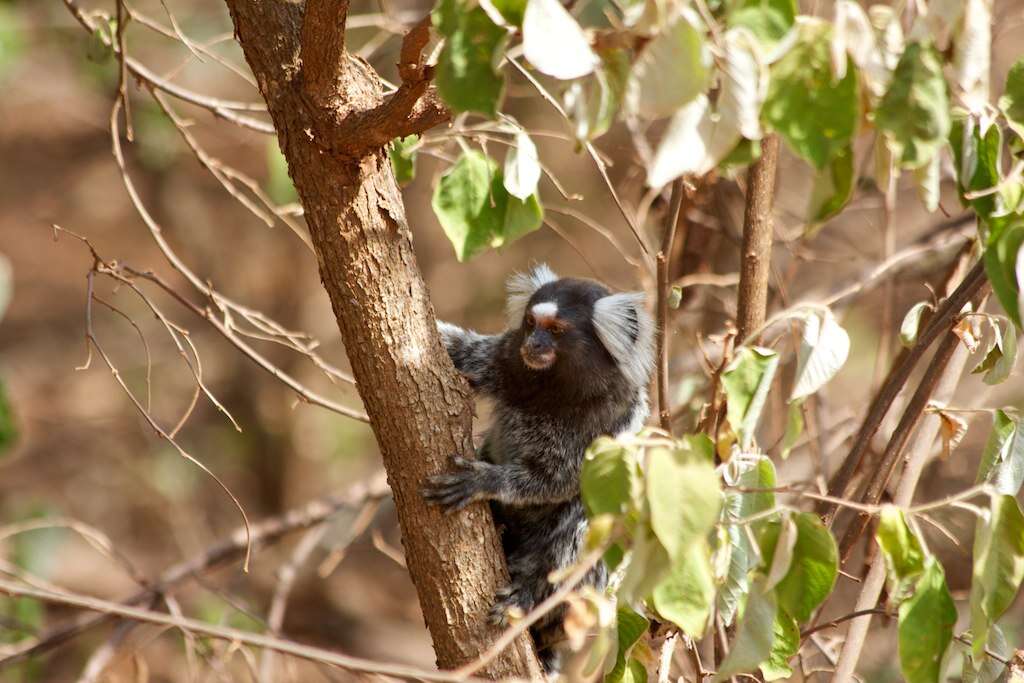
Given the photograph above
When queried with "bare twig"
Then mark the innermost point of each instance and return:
(264, 533)
(664, 260)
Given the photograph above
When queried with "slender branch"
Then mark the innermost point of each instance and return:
(894, 449)
(263, 533)
(838, 620)
(916, 459)
(757, 241)
(313, 654)
(842, 485)
(664, 260)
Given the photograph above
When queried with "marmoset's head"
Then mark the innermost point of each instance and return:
(578, 326)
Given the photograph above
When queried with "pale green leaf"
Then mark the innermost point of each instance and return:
(673, 69)
(998, 566)
(784, 647)
(782, 552)
(630, 626)
(594, 103)
(554, 43)
(608, 477)
(990, 669)
(403, 158)
(914, 112)
(686, 595)
(522, 167)
(1001, 257)
(1002, 461)
(746, 381)
(684, 499)
(824, 348)
(833, 187)
(769, 20)
(911, 325)
(794, 427)
(972, 48)
(926, 623)
(904, 557)
(649, 563)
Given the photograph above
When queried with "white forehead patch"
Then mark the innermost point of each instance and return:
(545, 309)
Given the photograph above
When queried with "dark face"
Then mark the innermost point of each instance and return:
(556, 328)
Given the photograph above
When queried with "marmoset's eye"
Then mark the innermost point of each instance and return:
(530, 320)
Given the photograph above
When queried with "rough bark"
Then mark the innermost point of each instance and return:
(321, 100)
(757, 241)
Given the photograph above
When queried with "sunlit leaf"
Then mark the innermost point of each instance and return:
(853, 34)
(769, 20)
(686, 595)
(608, 478)
(998, 566)
(1000, 258)
(914, 112)
(554, 42)
(928, 180)
(476, 211)
(926, 623)
(784, 647)
(952, 429)
(631, 626)
(813, 570)
(782, 552)
(902, 552)
(522, 167)
(794, 427)
(594, 103)
(816, 115)
(911, 325)
(990, 669)
(673, 69)
(746, 381)
(1002, 461)
(684, 499)
(466, 76)
(403, 158)
(972, 47)
(824, 348)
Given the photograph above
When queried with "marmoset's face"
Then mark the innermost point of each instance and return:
(542, 332)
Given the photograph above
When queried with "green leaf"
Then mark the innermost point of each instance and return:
(554, 43)
(466, 77)
(8, 430)
(743, 154)
(475, 209)
(279, 183)
(608, 478)
(1000, 259)
(904, 557)
(1012, 101)
(784, 647)
(511, 11)
(914, 112)
(684, 499)
(673, 68)
(911, 325)
(630, 626)
(12, 39)
(1002, 461)
(636, 672)
(746, 381)
(686, 595)
(926, 623)
(649, 563)
(833, 188)
(594, 103)
(990, 669)
(1000, 356)
(824, 348)
(815, 115)
(998, 567)
(978, 158)
(769, 20)
(403, 158)
(794, 427)
(758, 473)
(755, 637)
(813, 571)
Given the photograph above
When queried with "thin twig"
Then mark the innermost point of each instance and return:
(664, 260)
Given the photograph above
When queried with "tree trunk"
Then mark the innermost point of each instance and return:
(330, 116)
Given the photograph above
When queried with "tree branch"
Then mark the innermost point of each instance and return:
(664, 260)
(757, 241)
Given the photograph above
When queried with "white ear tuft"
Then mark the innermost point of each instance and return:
(521, 287)
(627, 331)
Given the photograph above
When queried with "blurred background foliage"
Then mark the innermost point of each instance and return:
(73, 447)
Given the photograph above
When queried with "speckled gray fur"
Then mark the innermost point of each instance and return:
(529, 464)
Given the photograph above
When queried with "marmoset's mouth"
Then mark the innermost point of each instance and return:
(538, 361)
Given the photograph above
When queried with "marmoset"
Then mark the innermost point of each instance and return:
(573, 365)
